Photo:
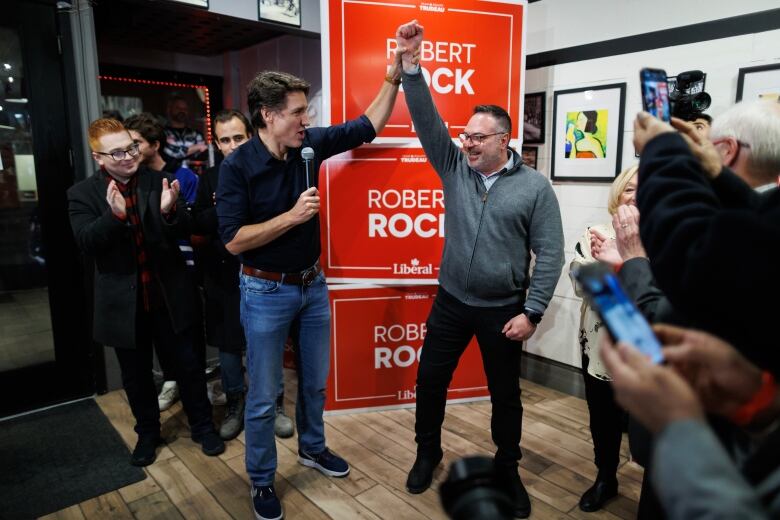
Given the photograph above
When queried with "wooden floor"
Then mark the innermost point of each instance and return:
(183, 483)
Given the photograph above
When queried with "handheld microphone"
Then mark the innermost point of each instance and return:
(307, 154)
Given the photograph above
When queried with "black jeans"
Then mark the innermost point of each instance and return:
(154, 328)
(450, 326)
(198, 341)
(606, 422)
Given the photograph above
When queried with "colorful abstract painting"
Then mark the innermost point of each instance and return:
(586, 134)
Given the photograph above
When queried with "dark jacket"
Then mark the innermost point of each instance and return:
(111, 243)
(640, 285)
(204, 222)
(713, 246)
(220, 271)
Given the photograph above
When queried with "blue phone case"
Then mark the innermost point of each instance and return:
(622, 318)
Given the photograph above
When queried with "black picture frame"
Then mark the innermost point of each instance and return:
(534, 116)
(285, 12)
(617, 102)
(530, 155)
(743, 72)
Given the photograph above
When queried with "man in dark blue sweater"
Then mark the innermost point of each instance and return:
(268, 206)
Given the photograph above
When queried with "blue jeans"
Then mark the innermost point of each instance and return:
(267, 311)
(231, 365)
(232, 373)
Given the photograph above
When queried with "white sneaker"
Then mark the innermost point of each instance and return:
(168, 395)
(216, 395)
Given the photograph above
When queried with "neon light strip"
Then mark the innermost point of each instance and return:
(207, 98)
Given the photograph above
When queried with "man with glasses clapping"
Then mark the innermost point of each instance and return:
(129, 219)
(498, 211)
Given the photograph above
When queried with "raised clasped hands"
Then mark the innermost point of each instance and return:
(409, 38)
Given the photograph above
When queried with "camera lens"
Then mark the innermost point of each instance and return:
(701, 102)
(473, 490)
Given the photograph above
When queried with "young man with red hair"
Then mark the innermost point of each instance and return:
(129, 219)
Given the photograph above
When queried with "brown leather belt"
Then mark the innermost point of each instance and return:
(305, 277)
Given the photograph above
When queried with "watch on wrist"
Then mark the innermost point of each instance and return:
(533, 316)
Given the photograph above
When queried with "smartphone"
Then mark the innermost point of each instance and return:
(622, 318)
(655, 93)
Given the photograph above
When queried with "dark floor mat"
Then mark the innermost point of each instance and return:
(53, 459)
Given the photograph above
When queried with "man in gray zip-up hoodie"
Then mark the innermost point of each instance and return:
(497, 212)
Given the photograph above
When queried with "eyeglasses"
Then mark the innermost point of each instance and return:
(238, 139)
(477, 138)
(120, 155)
(740, 146)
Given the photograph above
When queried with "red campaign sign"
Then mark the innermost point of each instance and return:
(382, 216)
(376, 337)
(473, 53)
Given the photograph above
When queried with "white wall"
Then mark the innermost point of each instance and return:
(559, 24)
(585, 204)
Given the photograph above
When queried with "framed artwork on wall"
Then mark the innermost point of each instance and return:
(533, 118)
(761, 82)
(530, 154)
(587, 135)
(287, 12)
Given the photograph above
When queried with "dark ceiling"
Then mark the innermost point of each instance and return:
(171, 26)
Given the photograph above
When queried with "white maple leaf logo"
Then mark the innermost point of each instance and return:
(415, 261)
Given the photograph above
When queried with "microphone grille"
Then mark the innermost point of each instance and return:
(307, 153)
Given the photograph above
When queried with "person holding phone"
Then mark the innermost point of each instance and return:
(606, 416)
(703, 226)
(694, 475)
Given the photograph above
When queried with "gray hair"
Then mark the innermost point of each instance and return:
(756, 123)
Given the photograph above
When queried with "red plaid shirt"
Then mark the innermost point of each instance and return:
(132, 216)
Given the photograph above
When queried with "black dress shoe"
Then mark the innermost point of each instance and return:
(518, 494)
(421, 474)
(601, 492)
(211, 443)
(145, 451)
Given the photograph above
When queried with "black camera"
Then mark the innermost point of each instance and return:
(475, 491)
(686, 94)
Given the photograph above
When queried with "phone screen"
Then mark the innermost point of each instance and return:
(655, 93)
(620, 315)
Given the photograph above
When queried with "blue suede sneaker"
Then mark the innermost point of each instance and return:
(328, 463)
(266, 503)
